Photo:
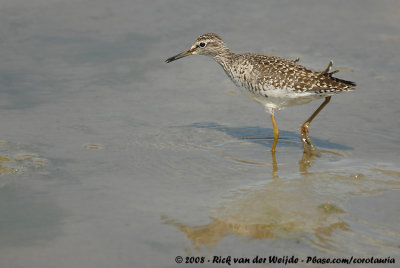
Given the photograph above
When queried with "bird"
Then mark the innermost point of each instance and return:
(272, 81)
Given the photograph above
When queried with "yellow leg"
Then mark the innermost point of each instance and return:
(276, 133)
(305, 137)
(274, 166)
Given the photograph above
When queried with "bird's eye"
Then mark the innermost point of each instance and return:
(202, 44)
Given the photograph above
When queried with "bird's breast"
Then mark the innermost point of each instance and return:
(249, 78)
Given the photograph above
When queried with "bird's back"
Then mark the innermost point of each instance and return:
(274, 76)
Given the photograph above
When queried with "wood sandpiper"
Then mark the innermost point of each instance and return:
(274, 82)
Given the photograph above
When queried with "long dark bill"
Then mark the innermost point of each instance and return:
(180, 55)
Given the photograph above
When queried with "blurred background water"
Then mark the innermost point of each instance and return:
(111, 158)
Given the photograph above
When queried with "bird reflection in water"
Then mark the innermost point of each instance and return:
(310, 205)
(278, 209)
(304, 163)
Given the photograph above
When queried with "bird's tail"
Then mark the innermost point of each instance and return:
(328, 73)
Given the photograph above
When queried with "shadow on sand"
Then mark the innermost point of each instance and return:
(259, 135)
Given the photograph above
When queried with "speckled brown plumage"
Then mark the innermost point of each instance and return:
(279, 73)
(272, 81)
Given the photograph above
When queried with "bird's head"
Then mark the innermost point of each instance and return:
(209, 44)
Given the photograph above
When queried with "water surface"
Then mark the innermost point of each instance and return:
(111, 158)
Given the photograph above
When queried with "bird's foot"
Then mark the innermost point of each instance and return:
(306, 162)
(308, 145)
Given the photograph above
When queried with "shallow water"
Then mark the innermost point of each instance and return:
(111, 158)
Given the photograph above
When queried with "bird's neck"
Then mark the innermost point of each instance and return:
(224, 58)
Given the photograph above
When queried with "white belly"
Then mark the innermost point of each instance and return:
(277, 99)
